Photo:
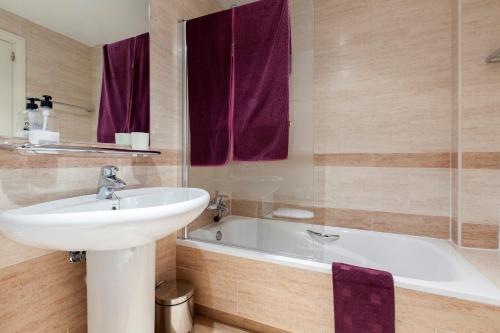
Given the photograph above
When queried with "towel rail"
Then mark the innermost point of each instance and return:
(72, 105)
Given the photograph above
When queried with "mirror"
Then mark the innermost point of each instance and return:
(89, 58)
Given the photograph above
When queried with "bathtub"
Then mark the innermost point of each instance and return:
(418, 263)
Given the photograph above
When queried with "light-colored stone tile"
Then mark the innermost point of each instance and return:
(485, 236)
(287, 298)
(45, 294)
(417, 225)
(212, 290)
(398, 190)
(282, 308)
(368, 91)
(14, 253)
(480, 30)
(480, 196)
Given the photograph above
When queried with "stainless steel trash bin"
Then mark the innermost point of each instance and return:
(174, 307)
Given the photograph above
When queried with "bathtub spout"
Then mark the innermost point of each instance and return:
(217, 204)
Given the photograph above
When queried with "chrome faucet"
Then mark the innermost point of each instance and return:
(108, 182)
(217, 204)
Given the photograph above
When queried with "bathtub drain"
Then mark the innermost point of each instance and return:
(218, 235)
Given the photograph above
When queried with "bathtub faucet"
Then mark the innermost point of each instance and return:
(217, 204)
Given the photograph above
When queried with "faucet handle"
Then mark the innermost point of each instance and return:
(219, 199)
(109, 170)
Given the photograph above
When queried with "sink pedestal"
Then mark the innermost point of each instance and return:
(121, 290)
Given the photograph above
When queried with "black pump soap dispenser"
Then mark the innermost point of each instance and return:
(26, 120)
(46, 102)
(48, 129)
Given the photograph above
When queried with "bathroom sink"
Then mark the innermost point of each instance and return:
(119, 236)
(135, 218)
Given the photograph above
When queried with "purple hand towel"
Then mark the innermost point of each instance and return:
(139, 117)
(363, 300)
(124, 105)
(209, 44)
(261, 81)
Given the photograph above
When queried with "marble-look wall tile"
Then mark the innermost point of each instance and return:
(481, 82)
(383, 124)
(480, 196)
(483, 236)
(397, 160)
(481, 160)
(416, 225)
(287, 298)
(369, 97)
(397, 190)
(165, 258)
(14, 253)
(46, 294)
(400, 223)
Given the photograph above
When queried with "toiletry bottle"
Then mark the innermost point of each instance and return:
(26, 120)
(49, 129)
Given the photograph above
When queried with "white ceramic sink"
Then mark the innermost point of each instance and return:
(119, 237)
(138, 217)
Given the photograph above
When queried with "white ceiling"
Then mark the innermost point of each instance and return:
(91, 22)
(228, 3)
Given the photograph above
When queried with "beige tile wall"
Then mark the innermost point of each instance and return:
(301, 301)
(40, 291)
(383, 106)
(377, 111)
(382, 76)
(46, 294)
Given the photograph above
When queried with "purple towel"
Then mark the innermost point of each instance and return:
(124, 103)
(139, 117)
(209, 43)
(363, 300)
(261, 81)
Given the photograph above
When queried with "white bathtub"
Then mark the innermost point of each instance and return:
(417, 263)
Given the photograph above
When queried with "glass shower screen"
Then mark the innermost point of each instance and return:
(255, 193)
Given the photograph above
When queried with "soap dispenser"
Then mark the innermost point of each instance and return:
(48, 131)
(27, 120)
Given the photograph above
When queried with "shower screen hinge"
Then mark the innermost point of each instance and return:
(13, 56)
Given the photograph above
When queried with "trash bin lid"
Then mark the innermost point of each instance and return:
(174, 292)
